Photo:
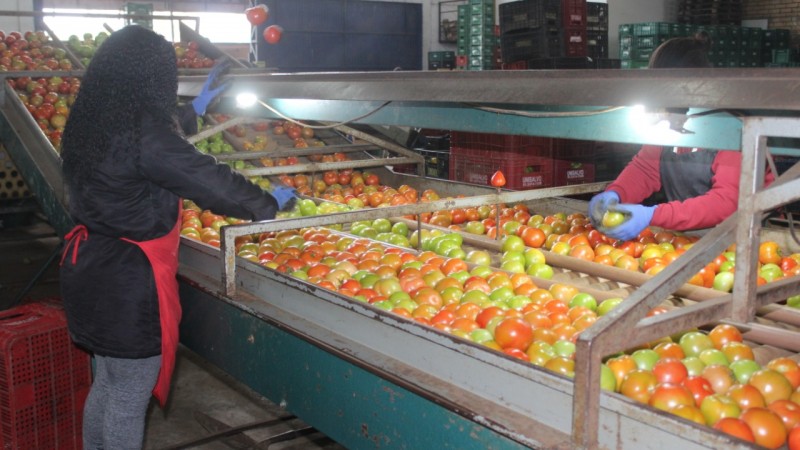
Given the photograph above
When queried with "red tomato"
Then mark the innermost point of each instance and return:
(794, 439)
(488, 314)
(272, 34)
(257, 14)
(670, 370)
(736, 428)
(513, 333)
(498, 179)
(767, 427)
(788, 411)
(700, 388)
(330, 177)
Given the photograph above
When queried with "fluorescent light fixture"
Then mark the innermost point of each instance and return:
(246, 100)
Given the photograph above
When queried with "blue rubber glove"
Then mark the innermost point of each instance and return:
(285, 197)
(639, 218)
(599, 204)
(209, 92)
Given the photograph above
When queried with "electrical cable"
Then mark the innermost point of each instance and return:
(323, 127)
(545, 115)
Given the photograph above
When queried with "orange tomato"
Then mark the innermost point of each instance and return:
(769, 252)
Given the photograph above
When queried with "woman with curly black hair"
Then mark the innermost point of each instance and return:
(127, 165)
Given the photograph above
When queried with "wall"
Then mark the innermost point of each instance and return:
(779, 14)
(8, 23)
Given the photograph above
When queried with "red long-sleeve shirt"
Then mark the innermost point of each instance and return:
(642, 177)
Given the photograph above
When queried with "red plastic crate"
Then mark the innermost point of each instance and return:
(574, 149)
(516, 65)
(489, 145)
(575, 42)
(572, 172)
(573, 13)
(44, 380)
(521, 171)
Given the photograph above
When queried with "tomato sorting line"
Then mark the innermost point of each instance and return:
(230, 233)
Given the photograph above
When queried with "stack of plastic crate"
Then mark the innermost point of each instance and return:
(573, 17)
(476, 35)
(775, 48)
(526, 161)
(710, 12)
(531, 29)
(573, 162)
(637, 42)
(44, 379)
(597, 30)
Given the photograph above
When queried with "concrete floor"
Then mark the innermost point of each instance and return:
(199, 390)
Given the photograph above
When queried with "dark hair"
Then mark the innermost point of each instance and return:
(133, 72)
(682, 53)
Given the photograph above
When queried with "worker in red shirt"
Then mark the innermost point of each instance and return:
(701, 186)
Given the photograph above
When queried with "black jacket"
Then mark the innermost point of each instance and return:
(109, 294)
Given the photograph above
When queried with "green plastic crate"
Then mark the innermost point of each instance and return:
(485, 9)
(652, 28)
(481, 19)
(626, 29)
(628, 64)
(481, 30)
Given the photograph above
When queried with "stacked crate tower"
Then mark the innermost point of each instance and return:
(597, 31)
(538, 30)
(476, 35)
(731, 46)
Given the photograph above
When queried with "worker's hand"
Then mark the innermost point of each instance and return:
(599, 204)
(285, 196)
(639, 218)
(210, 89)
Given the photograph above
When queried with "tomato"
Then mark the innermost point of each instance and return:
(724, 333)
(257, 14)
(700, 388)
(330, 177)
(272, 34)
(638, 385)
(794, 439)
(613, 219)
(772, 385)
(621, 366)
(667, 396)
(788, 411)
(498, 179)
(746, 396)
(769, 252)
(562, 365)
(689, 412)
(533, 237)
(513, 333)
(767, 427)
(670, 370)
(736, 428)
(788, 367)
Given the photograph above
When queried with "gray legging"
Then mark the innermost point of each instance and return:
(113, 417)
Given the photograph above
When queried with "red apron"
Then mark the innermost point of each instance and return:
(163, 256)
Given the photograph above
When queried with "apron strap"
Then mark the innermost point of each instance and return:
(73, 240)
